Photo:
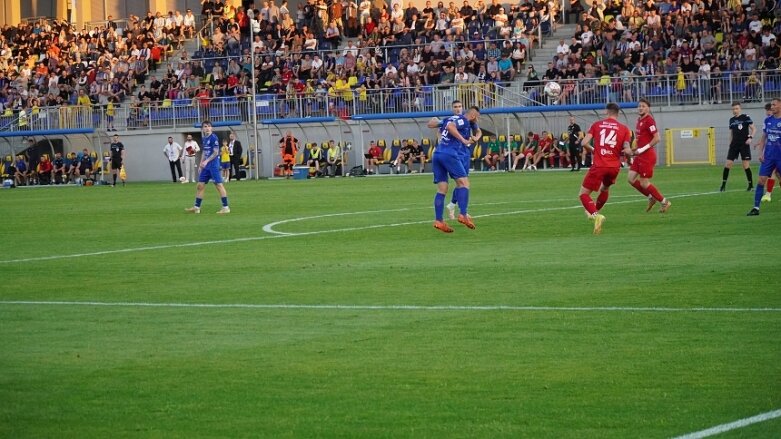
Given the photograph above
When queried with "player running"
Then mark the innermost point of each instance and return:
(741, 131)
(769, 152)
(642, 169)
(610, 138)
(456, 132)
(210, 170)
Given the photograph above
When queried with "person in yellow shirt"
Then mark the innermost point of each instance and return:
(83, 109)
(225, 160)
(110, 112)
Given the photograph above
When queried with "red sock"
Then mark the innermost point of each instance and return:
(588, 204)
(769, 186)
(640, 187)
(655, 193)
(602, 199)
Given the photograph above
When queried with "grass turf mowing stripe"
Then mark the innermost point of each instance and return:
(740, 423)
(275, 234)
(391, 307)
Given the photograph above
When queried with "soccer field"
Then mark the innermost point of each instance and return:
(332, 308)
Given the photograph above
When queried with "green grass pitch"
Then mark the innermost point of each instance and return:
(663, 325)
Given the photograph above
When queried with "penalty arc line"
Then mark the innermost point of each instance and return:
(344, 307)
(740, 423)
(275, 234)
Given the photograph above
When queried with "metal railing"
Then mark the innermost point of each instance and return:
(661, 90)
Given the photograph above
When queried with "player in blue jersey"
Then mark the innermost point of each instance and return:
(456, 133)
(769, 150)
(210, 170)
(465, 153)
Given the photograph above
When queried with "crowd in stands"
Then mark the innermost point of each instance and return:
(679, 47)
(346, 49)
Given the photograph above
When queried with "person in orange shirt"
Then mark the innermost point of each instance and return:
(288, 147)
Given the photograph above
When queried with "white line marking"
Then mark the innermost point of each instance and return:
(393, 307)
(276, 234)
(732, 425)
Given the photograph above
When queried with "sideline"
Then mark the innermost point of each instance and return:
(740, 423)
(291, 306)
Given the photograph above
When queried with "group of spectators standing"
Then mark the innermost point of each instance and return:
(684, 48)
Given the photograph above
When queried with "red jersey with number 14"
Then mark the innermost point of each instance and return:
(609, 136)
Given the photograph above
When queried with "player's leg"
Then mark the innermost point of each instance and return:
(223, 198)
(441, 180)
(766, 169)
(771, 182)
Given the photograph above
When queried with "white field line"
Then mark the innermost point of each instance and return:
(348, 307)
(740, 423)
(268, 228)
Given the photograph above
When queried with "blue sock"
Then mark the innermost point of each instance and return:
(224, 201)
(454, 199)
(198, 202)
(759, 191)
(463, 199)
(439, 205)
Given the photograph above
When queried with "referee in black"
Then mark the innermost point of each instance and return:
(574, 132)
(117, 158)
(741, 131)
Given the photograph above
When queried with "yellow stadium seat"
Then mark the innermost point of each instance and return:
(381, 143)
(396, 143)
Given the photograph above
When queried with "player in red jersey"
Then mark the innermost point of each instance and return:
(611, 138)
(642, 168)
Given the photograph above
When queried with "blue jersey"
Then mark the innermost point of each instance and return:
(464, 127)
(772, 130)
(211, 147)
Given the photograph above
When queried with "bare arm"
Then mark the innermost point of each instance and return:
(586, 142)
(451, 128)
(656, 139)
(751, 131)
(433, 123)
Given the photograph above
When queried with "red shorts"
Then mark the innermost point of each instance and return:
(644, 164)
(597, 177)
(528, 152)
(288, 158)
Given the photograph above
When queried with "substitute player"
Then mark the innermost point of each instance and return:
(456, 133)
(210, 170)
(642, 169)
(769, 152)
(741, 131)
(611, 137)
(117, 158)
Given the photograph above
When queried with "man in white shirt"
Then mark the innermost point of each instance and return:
(173, 152)
(562, 48)
(191, 148)
(351, 48)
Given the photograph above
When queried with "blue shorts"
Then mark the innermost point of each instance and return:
(466, 161)
(447, 164)
(210, 173)
(225, 165)
(767, 167)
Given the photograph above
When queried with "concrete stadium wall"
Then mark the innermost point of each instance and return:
(145, 160)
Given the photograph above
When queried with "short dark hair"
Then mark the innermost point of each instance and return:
(644, 101)
(767, 107)
(206, 122)
(612, 108)
(475, 107)
(736, 104)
